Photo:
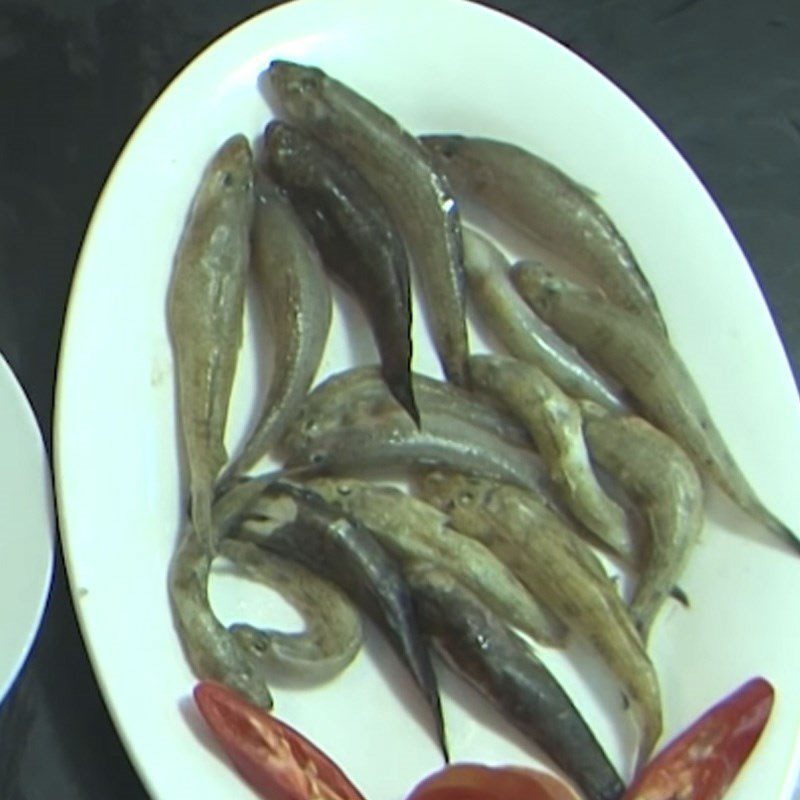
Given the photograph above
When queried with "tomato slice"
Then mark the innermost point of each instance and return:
(478, 782)
(704, 760)
(276, 760)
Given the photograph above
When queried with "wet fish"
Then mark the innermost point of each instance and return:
(332, 635)
(505, 670)
(521, 331)
(357, 239)
(664, 482)
(297, 523)
(351, 395)
(556, 566)
(413, 531)
(205, 313)
(555, 424)
(402, 172)
(544, 203)
(212, 651)
(390, 443)
(297, 303)
(654, 374)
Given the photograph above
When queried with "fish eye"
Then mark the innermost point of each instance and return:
(227, 180)
(345, 489)
(465, 498)
(317, 458)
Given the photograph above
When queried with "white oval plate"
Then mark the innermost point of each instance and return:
(27, 530)
(437, 65)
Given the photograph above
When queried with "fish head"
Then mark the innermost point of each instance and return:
(290, 156)
(299, 89)
(540, 286)
(228, 176)
(453, 492)
(445, 148)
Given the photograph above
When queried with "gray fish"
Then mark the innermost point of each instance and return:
(555, 424)
(544, 203)
(413, 531)
(332, 633)
(562, 572)
(296, 298)
(351, 395)
(212, 651)
(357, 240)
(661, 478)
(205, 313)
(505, 670)
(521, 331)
(298, 524)
(653, 372)
(402, 172)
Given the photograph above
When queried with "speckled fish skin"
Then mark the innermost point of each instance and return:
(390, 443)
(655, 376)
(402, 172)
(212, 651)
(413, 531)
(555, 424)
(521, 331)
(553, 563)
(332, 635)
(663, 481)
(554, 210)
(357, 240)
(296, 299)
(321, 537)
(205, 315)
(349, 396)
(505, 670)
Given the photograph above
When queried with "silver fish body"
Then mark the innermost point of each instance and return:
(553, 209)
(555, 423)
(654, 374)
(556, 566)
(664, 483)
(205, 315)
(402, 172)
(415, 532)
(297, 304)
(521, 331)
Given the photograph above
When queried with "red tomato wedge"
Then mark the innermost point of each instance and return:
(277, 761)
(704, 760)
(477, 782)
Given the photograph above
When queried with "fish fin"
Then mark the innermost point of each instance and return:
(678, 594)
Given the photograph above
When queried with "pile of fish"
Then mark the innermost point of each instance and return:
(460, 515)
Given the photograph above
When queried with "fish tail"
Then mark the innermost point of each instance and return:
(402, 391)
(650, 727)
(780, 530)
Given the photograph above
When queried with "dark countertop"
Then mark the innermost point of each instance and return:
(720, 77)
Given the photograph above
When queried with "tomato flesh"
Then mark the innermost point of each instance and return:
(276, 760)
(703, 762)
(478, 782)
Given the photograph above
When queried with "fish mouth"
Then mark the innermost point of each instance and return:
(299, 89)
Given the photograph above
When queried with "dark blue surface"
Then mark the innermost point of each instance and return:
(721, 77)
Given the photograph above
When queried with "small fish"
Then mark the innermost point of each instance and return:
(555, 211)
(505, 670)
(332, 635)
(357, 239)
(562, 572)
(205, 315)
(390, 442)
(212, 651)
(403, 174)
(654, 374)
(297, 303)
(521, 331)
(661, 478)
(298, 524)
(413, 531)
(555, 424)
(358, 392)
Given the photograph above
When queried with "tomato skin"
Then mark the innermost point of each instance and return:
(276, 760)
(478, 782)
(702, 762)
